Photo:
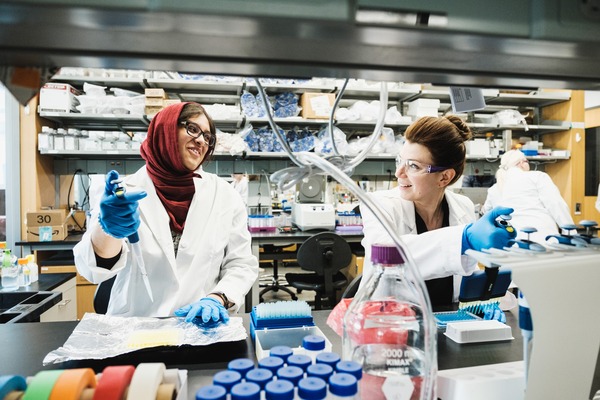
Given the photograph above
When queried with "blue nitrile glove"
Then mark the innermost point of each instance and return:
(485, 233)
(495, 312)
(119, 215)
(207, 309)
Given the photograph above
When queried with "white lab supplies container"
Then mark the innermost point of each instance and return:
(423, 108)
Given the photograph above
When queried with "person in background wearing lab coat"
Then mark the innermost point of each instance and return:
(436, 224)
(535, 198)
(240, 183)
(192, 227)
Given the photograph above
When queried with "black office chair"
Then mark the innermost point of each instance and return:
(352, 288)
(102, 295)
(326, 254)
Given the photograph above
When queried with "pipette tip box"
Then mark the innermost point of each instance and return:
(478, 331)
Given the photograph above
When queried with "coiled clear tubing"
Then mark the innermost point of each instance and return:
(340, 167)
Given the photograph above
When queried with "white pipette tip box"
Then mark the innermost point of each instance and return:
(478, 331)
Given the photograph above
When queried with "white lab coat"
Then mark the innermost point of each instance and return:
(436, 253)
(214, 251)
(536, 200)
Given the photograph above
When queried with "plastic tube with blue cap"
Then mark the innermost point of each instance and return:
(526, 325)
(134, 240)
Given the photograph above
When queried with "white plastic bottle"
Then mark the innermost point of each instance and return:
(22, 265)
(33, 268)
(384, 331)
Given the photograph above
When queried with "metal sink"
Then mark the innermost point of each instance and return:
(26, 306)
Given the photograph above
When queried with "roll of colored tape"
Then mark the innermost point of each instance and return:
(114, 382)
(71, 382)
(146, 379)
(41, 385)
(166, 391)
(15, 395)
(87, 394)
(172, 376)
(11, 383)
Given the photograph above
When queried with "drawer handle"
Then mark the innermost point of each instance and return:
(63, 303)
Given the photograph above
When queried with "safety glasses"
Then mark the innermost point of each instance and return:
(412, 167)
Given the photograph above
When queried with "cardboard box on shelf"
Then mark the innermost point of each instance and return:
(316, 105)
(155, 92)
(46, 217)
(58, 97)
(46, 225)
(154, 102)
(48, 233)
(169, 102)
(152, 110)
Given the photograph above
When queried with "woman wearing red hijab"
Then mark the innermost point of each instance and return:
(192, 228)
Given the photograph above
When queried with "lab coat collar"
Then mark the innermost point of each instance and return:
(457, 212)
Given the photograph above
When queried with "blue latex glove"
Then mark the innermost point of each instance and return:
(495, 312)
(119, 215)
(206, 309)
(485, 234)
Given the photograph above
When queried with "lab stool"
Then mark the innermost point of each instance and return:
(276, 253)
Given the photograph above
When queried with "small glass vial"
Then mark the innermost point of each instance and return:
(227, 379)
(350, 367)
(245, 391)
(312, 389)
(313, 345)
(343, 386)
(292, 374)
(211, 392)
(260, 376)
(282, 352)
(329, 358)
(322, 371)
(241, 365)
(271, 363)
(279, 390)
(299, 360)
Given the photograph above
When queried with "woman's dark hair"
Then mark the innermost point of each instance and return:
(193, 110)
(445, 138)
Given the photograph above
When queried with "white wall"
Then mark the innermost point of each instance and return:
(2, 139)
(592, 99)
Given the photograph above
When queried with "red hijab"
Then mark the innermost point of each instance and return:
(174, 183)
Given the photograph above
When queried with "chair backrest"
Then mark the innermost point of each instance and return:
(102, 295)
(324, 253)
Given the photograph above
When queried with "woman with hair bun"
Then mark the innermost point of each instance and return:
(436, 224)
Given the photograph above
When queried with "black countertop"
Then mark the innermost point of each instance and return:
(28, 303)
(24, 346)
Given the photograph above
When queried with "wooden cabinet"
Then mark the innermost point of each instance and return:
(66, 309)
(82, 291)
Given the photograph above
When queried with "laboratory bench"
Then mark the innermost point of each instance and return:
(24, 346)
(259, 239)
(50, 298)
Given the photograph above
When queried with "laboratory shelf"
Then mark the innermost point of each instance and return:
(134, 122)
(124, 83)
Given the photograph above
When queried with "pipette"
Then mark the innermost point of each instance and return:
(134, 239)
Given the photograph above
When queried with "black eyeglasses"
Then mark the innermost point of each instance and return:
(196, 132)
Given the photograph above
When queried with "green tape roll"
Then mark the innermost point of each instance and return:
(41, 385)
